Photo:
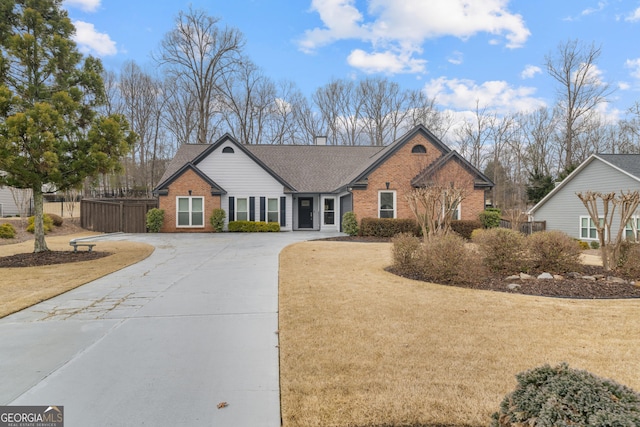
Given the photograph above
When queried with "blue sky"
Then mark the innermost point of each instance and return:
(457, 51)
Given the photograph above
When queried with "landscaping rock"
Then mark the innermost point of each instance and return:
(514, 277)
(524, 276)
(545, 276)
(613, 279)
(558, 277)
(513, 286)
(574, 275)
(590, 278)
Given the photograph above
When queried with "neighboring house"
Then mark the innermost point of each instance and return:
(307, 187)
(563, 210)
(8, 206)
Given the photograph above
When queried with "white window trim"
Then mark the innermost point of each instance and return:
(636, 220)
(267, 211)
(395, 202)
(589, 228)
(237, 199)
(334, 211)
(190, 212)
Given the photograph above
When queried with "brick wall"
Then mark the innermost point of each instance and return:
(189, 180)
(399, 170)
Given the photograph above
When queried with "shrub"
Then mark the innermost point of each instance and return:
(46, 221)
(387, 227)
(57, 219)
(490, 217)
(594, 244)
(155, 219)
(7, 231)
(553, 251)
(629, 263)
(445, 259)
(350, 224)
(217, 219)
(583, 245)
(501, 249)
(465, 227)
(253, 226)
(561, 396)
(406, 254)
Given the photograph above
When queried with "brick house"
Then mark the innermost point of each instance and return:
(309, 187)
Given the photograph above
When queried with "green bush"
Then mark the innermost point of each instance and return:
(253, 226)
(490, 217)
(387, 227)
(350, 224)
(217, 219)
(57, 219)
(560, 396)
(594, 244)
(501, 249)
(553, 251)
(46, 221)
(465, 227)
(405, 251)
(7, 231)
(446, 259)
(155, 219)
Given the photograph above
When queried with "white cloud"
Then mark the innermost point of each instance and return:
(385, 62)
(90, 41)
(530, 71)
(498, 96)
(633, 16)
(456, 58)
(592, 10)
(634, 65)
(397, 29)
(85, 5)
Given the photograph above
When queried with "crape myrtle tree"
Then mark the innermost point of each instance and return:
(50, 132)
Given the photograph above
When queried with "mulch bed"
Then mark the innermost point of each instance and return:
(566, 288)
(49, 258)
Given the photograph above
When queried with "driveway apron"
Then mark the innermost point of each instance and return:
(187, 337)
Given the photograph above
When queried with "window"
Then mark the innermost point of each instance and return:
(419, 149)
(329, 211)
(272, 210)
(588, 228)
(242, 209)
(190, 212)
(387, 204)
(227, 150)
(631, 229)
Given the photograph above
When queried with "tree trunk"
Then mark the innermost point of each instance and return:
(39, 244)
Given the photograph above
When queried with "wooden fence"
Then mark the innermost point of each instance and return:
(525, 227)
(114, 215)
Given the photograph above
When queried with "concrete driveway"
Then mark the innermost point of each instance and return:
(159, 343)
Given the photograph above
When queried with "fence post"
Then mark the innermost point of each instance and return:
(121, 225)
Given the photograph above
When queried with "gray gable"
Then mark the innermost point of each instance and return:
(629, 163)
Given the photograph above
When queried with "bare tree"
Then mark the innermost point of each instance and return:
(474, 136)
(580, 91)
(627, 202)
(180, 116)
(422, 110)
(341, 108)
(284, 124)
(383, 109)
(200, 55)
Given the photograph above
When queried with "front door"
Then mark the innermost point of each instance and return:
(305, 212)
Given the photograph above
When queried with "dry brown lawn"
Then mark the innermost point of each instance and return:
(23, 287)
(362, 347)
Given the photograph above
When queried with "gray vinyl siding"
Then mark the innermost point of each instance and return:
(563, 210)
(7, 204)
(242, 177)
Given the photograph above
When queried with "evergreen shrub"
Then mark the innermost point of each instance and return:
(46, 221)
(560, 396)
(387, 227)
(217, 219)
(350, 224)
(253, 226)
(155, 219)
(7, 231)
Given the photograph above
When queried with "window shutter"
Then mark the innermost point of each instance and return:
(263, 207)
(252, 208)
(232, 208)
(283, 211)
